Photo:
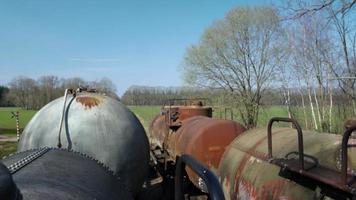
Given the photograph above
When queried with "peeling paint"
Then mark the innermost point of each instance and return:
(88, 101)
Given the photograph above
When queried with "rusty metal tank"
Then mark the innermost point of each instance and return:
(205, 139)
(171, 118)
(158, 131)
(246, 172)
(189, 129)
(98, 126)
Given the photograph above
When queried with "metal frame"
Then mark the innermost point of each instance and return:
(171, 103)
(211, 181)
(300, 137)
(344, 147)
(333, 183)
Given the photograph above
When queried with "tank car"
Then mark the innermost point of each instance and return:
(286, 163)
(278, 163)
(189, 129)
(84, 145)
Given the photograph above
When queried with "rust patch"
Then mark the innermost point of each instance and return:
(88, 101)
(247, 190)
(248, 153)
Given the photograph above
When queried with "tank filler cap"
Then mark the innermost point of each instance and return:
(8, 189)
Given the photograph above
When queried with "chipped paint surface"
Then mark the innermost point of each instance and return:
(245, 172)
(88, 101)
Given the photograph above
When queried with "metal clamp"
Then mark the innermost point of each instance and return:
(344, 147)
(300, 137)
(211, 181)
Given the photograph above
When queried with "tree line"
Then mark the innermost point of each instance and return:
(29, 93)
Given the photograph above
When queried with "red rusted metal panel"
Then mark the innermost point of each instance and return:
(170, 119)
(205, 139)
(189, 129)
(186, 112)
(158, 131)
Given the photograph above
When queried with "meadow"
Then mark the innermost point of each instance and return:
(8, 127)
(146, 114)
(8, 124)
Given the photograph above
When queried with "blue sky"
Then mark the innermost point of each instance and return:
(130, 42)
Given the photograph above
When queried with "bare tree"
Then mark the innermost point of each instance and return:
(104, 85)
(49, 88)
(310, 43)
(300, 8)
(73, 83)
(23, 92)
(237, 54)
(346, 46)
(342, 23)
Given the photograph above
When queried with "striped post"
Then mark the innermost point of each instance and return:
(16, 116)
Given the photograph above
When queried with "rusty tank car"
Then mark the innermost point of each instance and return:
(287, 163)
(278, 163)
(189, 129)
(78, 147)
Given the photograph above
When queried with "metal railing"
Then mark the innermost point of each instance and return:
(211, 181)
(300, 137)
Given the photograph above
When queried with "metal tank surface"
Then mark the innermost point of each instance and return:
(246, 171)
(190, 129)
(98, 126)
(171, 118)
(50, 173)
(158, 131)
(205, 139)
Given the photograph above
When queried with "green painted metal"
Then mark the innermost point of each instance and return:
(245, 172)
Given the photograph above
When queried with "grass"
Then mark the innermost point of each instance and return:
(8, 127)
(145, 114)
(340, 114)
(7, 148)
(6, 122)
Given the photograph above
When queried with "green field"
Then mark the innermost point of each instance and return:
(6, 148)
(6, 122)
(8, 127)
(146, 114)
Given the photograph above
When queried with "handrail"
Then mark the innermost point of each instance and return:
(344, 147)
(300, 137)
(211, 181)
(170, 101)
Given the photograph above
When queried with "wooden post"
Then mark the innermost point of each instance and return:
(16, 116)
